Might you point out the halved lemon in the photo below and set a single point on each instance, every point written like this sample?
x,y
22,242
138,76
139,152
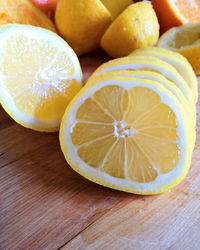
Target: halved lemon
x,y
126,134
39,75
185,40
178,61
150,64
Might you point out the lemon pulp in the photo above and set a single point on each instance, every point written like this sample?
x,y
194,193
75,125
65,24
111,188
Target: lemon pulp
x,y
118,133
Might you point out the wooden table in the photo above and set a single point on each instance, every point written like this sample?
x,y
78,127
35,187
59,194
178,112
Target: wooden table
x,y
44,204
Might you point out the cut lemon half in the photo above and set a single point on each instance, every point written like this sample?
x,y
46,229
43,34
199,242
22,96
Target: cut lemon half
x,y
178,61
185,40
150,64
39,75
136,27
130,135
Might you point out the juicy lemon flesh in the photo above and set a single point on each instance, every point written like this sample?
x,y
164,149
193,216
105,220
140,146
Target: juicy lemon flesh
x,y
38,77
128,134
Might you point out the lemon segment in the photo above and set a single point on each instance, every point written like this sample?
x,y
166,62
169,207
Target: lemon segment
x,y
39,75
143,147
178,61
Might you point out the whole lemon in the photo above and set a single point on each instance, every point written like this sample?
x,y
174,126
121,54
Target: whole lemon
x,y
82,23
136,27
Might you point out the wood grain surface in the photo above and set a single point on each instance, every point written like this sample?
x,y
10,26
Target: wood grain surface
x,y
44,204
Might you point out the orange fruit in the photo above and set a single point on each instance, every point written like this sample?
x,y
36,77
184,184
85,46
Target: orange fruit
x,y
174,13
47,6
23,12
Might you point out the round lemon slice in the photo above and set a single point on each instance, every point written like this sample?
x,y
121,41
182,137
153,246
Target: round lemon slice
x,y
39,75
150,64
178,61
154,76
190,110
130,135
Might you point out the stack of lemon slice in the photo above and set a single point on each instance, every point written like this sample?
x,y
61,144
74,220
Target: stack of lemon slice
x,y
132,126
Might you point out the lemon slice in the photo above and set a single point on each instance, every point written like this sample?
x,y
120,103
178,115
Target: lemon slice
x,y
185,40
178,61
150,64
126,134
154,76
190,110
39,75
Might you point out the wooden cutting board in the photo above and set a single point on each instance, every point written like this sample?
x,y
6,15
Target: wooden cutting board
x,y
44,204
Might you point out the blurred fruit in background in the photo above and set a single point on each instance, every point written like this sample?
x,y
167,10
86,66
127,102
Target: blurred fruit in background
x,y
176,12
136,27
24,12
47,6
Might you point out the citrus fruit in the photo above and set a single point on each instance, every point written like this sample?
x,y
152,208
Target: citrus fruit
x,y
39,75
127,134
149,64
176,12
148,75
23,12
47,6
190,110
82,23
185,40
117,6
177,61
136,27
155,76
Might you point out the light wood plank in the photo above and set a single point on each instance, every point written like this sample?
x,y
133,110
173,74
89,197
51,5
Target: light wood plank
x,y
44,204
